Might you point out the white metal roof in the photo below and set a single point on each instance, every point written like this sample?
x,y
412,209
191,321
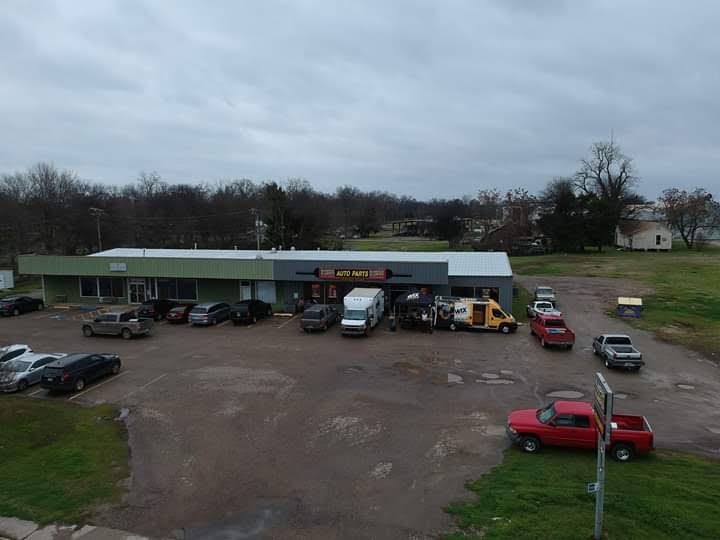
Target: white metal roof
x,y
460,263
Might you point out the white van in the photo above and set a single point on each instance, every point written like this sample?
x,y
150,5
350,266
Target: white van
x,y
363,311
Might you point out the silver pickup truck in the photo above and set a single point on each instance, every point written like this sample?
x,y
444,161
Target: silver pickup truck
x,y
617,350
125,324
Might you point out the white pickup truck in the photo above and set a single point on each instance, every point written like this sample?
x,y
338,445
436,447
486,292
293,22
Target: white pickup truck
x,y
542,306
617,350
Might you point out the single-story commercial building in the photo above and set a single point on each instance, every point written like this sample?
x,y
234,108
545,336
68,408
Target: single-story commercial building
x,y
282,278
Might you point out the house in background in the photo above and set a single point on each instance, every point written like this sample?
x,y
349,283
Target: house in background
x,y
646,231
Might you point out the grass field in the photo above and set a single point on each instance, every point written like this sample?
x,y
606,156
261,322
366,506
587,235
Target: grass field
x,y
662,496
686,305
59,460
520,302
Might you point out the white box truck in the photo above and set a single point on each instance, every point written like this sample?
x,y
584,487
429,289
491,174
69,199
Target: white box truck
x,y
363,310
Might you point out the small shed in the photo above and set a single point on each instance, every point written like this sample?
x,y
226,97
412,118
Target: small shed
x,y
628,306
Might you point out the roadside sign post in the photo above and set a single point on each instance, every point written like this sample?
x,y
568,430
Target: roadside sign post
x,y
603,408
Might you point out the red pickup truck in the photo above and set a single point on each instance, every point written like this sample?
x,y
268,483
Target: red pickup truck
x,y
552,330
571,423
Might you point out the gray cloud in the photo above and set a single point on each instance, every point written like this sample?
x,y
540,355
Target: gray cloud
x,y
422,98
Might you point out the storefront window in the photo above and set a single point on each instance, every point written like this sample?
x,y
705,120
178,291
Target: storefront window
x,y
316,290
187,289
245,290
88,286
167,288
332,291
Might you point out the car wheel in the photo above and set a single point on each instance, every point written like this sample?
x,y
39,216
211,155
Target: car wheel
x,y
126,333
324,327
269,312
595,351
307,330
504,328
116,368
79,385
87,331
542,342
235,323
254,319
622,452
22,385
158,317
452,327
570,346
41,306
214,322
530,444
16,312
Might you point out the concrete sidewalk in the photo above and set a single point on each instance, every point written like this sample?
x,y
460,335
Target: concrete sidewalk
x,y
18,529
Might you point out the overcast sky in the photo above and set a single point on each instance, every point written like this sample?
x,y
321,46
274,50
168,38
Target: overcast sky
x,y
418,98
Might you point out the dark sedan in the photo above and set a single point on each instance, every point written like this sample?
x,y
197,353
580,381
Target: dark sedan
x,y
179,314
15,305
249,311
155,309
74,371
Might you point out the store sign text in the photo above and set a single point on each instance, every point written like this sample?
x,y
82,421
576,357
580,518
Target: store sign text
x,y
362,274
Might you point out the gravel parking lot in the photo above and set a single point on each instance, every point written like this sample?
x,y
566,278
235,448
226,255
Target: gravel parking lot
x,y
267,431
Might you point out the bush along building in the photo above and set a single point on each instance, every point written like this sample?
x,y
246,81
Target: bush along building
x,y
282,278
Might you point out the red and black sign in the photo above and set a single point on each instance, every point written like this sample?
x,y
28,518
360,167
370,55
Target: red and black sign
x,y
354,274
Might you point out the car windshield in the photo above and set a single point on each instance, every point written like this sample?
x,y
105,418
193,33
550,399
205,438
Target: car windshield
x,y
557,323
355,314
546,414
16,366
544,290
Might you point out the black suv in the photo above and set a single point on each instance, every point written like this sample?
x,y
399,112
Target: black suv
x,y
249,311
74,371
155,309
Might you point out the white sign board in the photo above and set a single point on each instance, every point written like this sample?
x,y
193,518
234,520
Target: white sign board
x,y
592,487
118,267
6,279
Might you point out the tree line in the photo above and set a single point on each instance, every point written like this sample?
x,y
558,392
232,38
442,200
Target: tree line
x,y
49,210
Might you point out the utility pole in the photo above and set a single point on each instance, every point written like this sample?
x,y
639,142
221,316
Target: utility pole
x,y
256,214
97,212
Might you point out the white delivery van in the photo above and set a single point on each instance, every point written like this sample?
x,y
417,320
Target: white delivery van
x,y
363,310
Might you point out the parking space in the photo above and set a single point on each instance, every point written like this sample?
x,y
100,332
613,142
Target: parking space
x,y
321,436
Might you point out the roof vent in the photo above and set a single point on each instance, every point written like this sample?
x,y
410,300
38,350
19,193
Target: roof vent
x,y
292,248
274,249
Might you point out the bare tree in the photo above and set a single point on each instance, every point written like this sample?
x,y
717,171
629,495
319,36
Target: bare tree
x,y
606,180
691,214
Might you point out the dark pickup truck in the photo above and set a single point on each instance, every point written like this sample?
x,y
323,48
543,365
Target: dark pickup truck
x,y
124,324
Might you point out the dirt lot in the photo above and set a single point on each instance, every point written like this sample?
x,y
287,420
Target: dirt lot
x,y
264,431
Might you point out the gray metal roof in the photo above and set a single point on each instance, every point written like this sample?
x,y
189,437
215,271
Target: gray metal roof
x,y
460,263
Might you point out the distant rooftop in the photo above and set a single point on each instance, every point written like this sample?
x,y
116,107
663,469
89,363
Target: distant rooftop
x,y
460,263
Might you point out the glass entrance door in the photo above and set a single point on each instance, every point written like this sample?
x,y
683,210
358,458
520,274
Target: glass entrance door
x,y
137,292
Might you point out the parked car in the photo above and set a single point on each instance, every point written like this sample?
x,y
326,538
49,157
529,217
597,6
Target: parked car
x,y
179,314
15,305
542,306
249,311
552,330
155,309
545,293
209,313
125,324
74,371
318,317
10,352
617,350
18,374
572,423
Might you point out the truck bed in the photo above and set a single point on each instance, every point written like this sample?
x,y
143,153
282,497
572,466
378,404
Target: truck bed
x,y
631,422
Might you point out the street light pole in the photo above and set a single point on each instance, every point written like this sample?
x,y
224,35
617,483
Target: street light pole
x,y
256,214
97,212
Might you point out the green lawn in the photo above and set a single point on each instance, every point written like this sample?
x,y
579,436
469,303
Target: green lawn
x,y
686,305
663,496
520,303
396,244
59,460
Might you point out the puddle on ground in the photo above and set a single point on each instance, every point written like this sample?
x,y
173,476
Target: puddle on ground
x,y
565,394
685,386
455,379
489,376
620,395
353,369
715,430
506,372
495,381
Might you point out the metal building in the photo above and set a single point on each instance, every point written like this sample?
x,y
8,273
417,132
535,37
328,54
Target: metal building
x,y
283,278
